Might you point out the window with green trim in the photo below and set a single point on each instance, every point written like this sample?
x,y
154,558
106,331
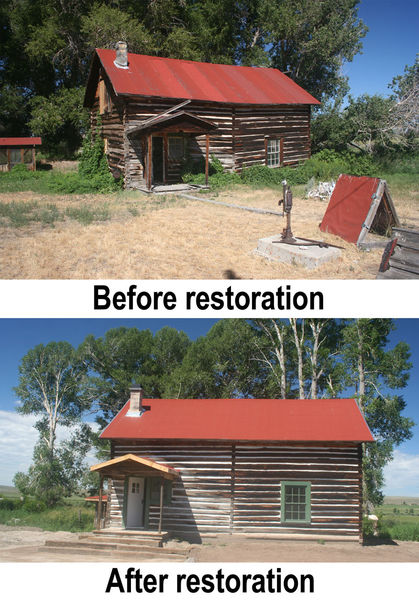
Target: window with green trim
x,y
155,491
295,501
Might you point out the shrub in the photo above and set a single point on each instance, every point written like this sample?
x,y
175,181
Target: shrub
x,y
367,527
10,503
32,505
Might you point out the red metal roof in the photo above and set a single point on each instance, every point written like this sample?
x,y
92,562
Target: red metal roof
x,y
154,76
20,141
243,419
96,498
349,206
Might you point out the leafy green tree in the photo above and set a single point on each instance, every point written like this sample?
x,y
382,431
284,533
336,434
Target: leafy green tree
x,y
105,25
55,475
368,122
125,356
60,119
220,364
377,373
309,41
50,380
317,357
405,112
114,362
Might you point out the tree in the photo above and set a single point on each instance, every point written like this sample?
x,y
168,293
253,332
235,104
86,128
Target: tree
x,y
309,40
301,356
46,48
50,379
376,372
406,109
125,356
326,357
53,476
220,364
49,386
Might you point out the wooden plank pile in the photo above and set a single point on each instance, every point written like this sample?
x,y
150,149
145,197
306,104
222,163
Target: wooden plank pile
x,y
401,256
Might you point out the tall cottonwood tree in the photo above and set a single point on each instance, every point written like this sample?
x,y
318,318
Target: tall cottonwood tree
x,y
50,383
377,372
351,358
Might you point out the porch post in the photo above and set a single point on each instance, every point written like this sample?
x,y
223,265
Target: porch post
x,y
149,161
206,158
100,501
161,503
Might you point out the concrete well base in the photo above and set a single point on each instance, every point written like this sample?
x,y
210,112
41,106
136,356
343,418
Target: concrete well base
x,y
309,257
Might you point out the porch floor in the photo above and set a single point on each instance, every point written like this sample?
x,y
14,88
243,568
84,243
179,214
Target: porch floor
x,y
173,188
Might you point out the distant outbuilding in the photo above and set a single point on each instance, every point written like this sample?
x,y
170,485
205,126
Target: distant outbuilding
x,y
17,151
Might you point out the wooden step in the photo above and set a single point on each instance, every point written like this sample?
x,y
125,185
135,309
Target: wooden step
x,y
150,537
113,554
115,546
123,540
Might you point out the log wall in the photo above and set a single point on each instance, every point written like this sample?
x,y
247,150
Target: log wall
x,y
253,123
238,142
236,487
113,127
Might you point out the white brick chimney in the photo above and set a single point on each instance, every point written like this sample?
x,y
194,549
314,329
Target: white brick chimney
x,y
136,394
121,60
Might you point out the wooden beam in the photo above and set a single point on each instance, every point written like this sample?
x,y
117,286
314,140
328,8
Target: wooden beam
x,y
149,161
33,159
161,504
100,501
165,156
206,158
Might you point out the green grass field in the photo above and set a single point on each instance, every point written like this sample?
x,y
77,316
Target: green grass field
x,y
399,520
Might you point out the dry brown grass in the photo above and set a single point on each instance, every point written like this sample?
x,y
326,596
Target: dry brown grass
x,y
175,239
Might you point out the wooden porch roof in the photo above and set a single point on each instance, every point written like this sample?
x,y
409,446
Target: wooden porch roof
x,y
180,120
130,464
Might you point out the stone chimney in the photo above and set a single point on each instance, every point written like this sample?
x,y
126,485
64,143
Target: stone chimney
x,y
135,408
121,60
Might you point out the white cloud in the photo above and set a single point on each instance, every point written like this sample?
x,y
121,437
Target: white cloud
x,y
402,475
17,440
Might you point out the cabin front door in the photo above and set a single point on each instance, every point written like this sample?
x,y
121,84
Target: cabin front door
x,y
158,173
135,503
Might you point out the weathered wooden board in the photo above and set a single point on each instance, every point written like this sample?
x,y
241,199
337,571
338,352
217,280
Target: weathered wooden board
x,y
403,262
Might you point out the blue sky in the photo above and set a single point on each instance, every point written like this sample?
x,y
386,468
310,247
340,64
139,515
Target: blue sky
x,y
17,435
390,44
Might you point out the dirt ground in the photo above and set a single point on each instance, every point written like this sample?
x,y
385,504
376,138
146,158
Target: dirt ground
x,y
175,238
20,544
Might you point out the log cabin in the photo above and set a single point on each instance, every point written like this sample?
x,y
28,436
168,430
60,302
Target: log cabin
x,y
254,467
159,115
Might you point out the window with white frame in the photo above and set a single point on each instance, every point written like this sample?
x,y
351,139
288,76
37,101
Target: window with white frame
x,y
176,147
273,152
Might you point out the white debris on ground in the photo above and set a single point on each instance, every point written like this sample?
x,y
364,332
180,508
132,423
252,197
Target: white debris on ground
x,y
321,189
